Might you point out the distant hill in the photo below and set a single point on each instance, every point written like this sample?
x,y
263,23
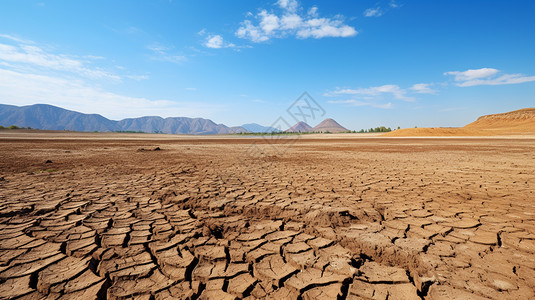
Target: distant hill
x,y
520,121
237,129
329,125
49,117
300,127
174,125
253,127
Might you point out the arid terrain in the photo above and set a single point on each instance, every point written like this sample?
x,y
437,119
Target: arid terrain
x,y
517,122
116,216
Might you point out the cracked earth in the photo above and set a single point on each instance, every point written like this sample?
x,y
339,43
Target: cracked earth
x,y
365,218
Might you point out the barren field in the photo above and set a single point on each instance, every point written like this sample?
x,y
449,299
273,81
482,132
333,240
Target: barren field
x,y
103,216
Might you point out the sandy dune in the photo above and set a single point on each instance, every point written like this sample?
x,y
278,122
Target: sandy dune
x,y
518,122
229,218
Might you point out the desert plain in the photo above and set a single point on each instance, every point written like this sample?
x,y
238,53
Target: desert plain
x,y
144,216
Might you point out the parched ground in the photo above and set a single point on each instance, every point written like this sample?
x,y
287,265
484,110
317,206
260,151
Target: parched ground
x,y
519,122
228,218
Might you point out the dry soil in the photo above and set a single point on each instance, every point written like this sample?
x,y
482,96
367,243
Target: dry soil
x,y
160,217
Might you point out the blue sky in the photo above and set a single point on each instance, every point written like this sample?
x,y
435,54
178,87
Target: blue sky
x,y
366,63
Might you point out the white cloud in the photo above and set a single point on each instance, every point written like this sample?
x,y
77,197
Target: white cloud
x,y
383,106
251,32
215,41
157,48
290,21
357,103
379,96
380,10
269,22
94,57
313,11
163,53
15,39
472,74
138,77
320,28
289,5
29,74
422,88
487,76
28,55
24,89
392,89
373,12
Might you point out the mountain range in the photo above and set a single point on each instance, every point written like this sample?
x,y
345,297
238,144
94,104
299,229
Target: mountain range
x,y
49,117
253,127
327,125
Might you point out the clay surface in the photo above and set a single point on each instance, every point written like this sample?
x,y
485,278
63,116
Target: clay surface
x,y
250,218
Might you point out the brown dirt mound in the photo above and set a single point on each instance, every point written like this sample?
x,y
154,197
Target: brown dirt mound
x,y
439,131
520,121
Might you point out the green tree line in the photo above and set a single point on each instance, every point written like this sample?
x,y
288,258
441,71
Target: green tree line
x,y
376,129
14,127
